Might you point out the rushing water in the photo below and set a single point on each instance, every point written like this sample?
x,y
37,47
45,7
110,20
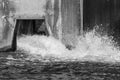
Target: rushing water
x,y
91,47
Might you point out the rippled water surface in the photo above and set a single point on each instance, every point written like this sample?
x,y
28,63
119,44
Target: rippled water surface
x,y
16,66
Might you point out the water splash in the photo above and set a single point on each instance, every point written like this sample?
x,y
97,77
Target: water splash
x,y
42,46
91,47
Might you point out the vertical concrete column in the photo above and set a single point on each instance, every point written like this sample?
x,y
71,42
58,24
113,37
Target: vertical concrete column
x,y
70,21
8,24
49,16
81,17
59,22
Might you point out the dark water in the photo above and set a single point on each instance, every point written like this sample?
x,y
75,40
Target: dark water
x,y
21,69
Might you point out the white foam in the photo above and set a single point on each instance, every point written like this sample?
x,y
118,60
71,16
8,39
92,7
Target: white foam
x,y
42,45
91,47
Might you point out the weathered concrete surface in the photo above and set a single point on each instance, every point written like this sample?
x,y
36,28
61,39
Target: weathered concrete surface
x,y
1,24
26,9
5,26
70,21
62,18
11,10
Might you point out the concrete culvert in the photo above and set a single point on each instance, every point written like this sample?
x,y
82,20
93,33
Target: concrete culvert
x,y
28,27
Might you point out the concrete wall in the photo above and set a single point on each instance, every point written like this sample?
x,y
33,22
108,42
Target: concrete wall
x,y
11,10
26,9
1,21
70,21
62,18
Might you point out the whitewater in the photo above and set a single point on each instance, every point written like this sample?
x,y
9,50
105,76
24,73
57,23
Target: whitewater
x,y
92,46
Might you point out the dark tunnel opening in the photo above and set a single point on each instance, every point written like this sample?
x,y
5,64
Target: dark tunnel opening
x,y
31,27
28,27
